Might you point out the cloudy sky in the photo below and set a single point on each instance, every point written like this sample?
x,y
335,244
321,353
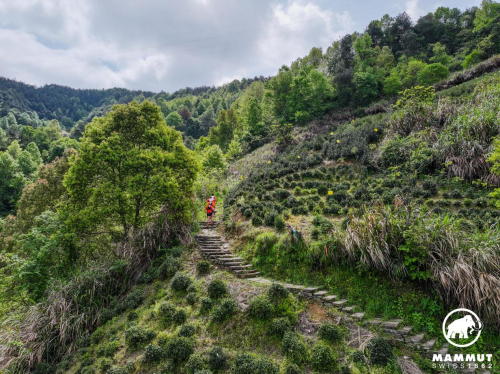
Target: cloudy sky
x,y
166,45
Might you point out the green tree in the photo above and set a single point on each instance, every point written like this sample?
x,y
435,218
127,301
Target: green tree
x,y
432,73
174,120
495,168
366,87
14,149
130,163
283,133
392,84
213,158
486,15
58,147
439,54
222,134
11,182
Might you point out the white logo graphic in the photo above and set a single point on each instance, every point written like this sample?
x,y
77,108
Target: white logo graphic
x,y
462,328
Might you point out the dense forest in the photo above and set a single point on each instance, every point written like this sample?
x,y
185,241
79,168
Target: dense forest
x,y
382,152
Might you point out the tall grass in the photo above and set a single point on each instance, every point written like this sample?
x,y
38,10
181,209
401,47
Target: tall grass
x,y
51,329
406,242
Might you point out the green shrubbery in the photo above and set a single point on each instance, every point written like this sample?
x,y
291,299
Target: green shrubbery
x,y
380,351
330,332
277,292
180,282
322,357
203,267
179,349
136,337
153,353
260,308
279,326
224,310
252,364
217,289
217,358
294,348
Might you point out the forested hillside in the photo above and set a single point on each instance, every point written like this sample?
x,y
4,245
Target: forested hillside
x,y
371,169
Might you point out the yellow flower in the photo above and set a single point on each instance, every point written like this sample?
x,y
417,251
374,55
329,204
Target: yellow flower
x,y
331,133
330,192
241,177
268,162
376,130
338,141
298,156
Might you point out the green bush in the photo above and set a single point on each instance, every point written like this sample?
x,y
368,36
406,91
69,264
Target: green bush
x,y
256,220
293,369
179,316
277,292
132,316
358,357
203,267
344,369
153,353
44,368
224,310
279,326
109,349
179,349
97,335
191,299
217,358
279,223
269,219
136,337
195,364
206,305
217,289
294,348
380,351
180,282
322,357
245,363
168,268
104,364
260,308
187,331
330,332
166,313
134,298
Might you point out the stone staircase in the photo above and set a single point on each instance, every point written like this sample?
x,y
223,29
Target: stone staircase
x,y
213,249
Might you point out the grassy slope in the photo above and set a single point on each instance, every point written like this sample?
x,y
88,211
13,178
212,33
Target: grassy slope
x,y
370,291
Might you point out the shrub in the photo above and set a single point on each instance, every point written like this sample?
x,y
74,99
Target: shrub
x,y
358,357
136,337
195,364
322,357
256,220
44,368
179,316
186,331
206,305
269,219
153,353
293,348
279,223
203,267
179,349
217,358
191,298
166,313
330,332
380,351
168,268
97,335
109,349
260,308
224,310
344,369
279,326
251,364
180,282
134,298
292,369
132,316
104,364
277,292
217,289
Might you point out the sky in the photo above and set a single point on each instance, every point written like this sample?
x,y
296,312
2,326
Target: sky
x,y
165,45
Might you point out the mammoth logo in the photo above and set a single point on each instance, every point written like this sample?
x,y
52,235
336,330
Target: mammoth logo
x,y
463,328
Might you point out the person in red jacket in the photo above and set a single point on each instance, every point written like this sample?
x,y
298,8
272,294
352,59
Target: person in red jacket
x,y
210,209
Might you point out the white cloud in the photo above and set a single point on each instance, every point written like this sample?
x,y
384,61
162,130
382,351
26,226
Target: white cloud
x,y
299,27
413,9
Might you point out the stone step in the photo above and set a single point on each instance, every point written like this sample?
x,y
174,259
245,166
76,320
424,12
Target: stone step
x,y
320,294
245,271
239,267
310,290
329,298
294,288
236,263
416,339
392,324
349,309
339,303
428,345
442,351
220,250
249,275
229,259
375,321
358,316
